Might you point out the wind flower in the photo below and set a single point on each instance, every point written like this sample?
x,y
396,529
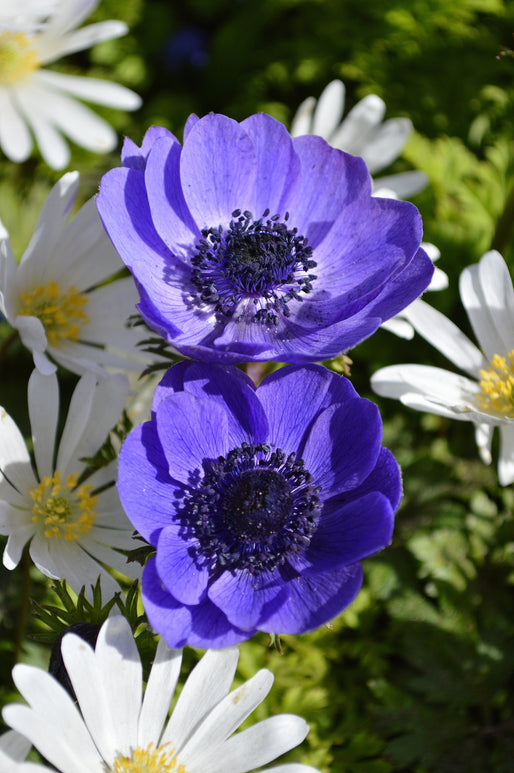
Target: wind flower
x,y
57,298
260,502
486,395
71,524
40,102
361,133
115,728
246,244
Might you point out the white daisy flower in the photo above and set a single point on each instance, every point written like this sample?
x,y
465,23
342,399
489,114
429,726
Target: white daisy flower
x,y
115,729
361,133
70,524
13,748
486,395
400,325
57,299
39,102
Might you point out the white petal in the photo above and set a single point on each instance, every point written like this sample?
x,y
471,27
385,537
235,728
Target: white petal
x,y
224,719
329,110
487,294
15,544
353,133
430,389
75,120
301,123
506,459
483,438
386,143
119,667
15,139
13,746
445,336
52,145
43,398
109,398
400,327
52,48
14,457
257,745
32,333
404,184
69,15
439,280
207,684
93,90
158,694
52,723
43,364
8,270
50,224
76,422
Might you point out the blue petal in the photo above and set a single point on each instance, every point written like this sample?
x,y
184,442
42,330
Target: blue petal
x,y
191,431
145,488
246,598
314,600
178,566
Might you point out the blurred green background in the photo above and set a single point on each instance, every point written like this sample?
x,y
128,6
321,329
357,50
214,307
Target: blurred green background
x,y
418,674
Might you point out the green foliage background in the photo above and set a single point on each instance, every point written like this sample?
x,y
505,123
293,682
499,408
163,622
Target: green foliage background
x,y
417,675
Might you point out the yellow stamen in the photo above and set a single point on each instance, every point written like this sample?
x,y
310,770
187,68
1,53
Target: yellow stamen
x,y
497,386
18,57
60,311
67,513
160,760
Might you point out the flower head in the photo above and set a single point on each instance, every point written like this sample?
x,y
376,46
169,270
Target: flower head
x,y
361,133
117,729
260,502
248,245
39,102
486,395
57,298
71,524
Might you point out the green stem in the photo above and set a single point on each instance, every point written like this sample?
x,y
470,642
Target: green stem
x,y
24,608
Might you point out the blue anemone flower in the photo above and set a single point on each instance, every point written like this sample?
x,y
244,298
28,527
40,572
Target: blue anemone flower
x,y
247,244
260,502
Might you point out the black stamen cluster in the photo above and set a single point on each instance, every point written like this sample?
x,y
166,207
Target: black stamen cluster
x,y
253,508
261,261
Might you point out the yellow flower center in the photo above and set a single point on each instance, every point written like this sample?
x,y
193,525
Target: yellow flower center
x,y
60,311
497,386
63,510
160,760
18,57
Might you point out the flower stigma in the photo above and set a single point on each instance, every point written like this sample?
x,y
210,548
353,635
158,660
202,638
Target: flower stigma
x,y
160,760
18,57
253,269
497,386
253,509
63,510
60,312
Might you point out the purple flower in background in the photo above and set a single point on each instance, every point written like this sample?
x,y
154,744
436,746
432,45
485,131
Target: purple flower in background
x,y
260,502
246,244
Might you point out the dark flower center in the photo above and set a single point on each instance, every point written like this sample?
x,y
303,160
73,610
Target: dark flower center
x,y
258,503
252,509
253,269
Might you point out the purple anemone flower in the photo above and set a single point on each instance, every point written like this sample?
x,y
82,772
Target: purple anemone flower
x,y
260,502
246,244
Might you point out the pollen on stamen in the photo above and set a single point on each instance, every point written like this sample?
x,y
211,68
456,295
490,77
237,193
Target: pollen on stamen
x,y
18,58
65,511
61,312
149,760
497,386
